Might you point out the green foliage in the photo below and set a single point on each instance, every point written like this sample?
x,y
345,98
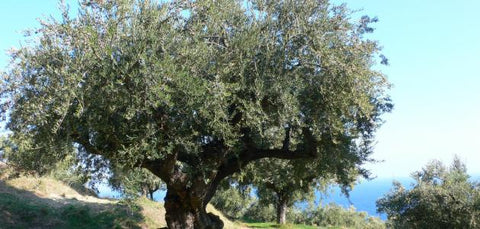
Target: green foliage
x,y
440,198
329,216
71,172
196,90
233,200
24,160
135,182
333,215
74,168
294,180
121,71
282,183
20,213
260,213
284,226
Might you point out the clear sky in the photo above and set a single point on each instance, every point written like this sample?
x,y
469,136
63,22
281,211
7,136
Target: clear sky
x,y
434,53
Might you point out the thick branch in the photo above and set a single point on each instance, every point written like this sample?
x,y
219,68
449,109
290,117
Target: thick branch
x,y
165,169
251,153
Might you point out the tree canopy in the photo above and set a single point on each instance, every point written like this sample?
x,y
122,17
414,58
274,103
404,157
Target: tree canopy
x,y
195,90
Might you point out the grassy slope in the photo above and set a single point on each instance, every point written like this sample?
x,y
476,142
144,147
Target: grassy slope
x,y
29,202
32,202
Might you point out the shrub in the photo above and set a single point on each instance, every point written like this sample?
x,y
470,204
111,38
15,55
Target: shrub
x,y
440,198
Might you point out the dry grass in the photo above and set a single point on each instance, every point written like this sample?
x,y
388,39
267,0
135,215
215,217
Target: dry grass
x,y
50,188
153,212
54,194
227,223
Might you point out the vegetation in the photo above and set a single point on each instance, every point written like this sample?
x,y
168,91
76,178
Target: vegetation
x,y
132,182
24,214
330,216
269,176
233,199
194,91
27,202
440,198
333,215
282,226
45,202
258,213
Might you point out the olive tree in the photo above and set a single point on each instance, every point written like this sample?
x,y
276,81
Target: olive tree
x,y
194,91
441,197
285,182
233,199
133,182
280,183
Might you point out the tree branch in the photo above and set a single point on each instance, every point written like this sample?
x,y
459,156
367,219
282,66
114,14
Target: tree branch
x,y
251,153
166,169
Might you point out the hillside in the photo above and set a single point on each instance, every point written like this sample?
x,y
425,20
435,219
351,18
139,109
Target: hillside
x,y
43,202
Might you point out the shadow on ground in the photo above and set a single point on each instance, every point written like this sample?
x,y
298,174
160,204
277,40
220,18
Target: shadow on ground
x,y
24,209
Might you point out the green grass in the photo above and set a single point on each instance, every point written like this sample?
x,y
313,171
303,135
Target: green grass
x,y
17,212
31,202
286,226
44,202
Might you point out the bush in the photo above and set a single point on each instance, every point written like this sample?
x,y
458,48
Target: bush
x,y
441,198
260,213
233,201
337,216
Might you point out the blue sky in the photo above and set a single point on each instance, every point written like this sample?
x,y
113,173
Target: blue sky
x,y
433,48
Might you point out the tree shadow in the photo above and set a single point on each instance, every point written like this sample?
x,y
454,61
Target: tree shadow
x,y
24,209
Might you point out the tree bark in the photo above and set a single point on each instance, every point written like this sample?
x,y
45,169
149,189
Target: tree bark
x,y
281,211
151,194
184,211
188,194
145,192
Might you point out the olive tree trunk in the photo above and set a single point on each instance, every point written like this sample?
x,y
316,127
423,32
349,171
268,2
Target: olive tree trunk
x,y
185,211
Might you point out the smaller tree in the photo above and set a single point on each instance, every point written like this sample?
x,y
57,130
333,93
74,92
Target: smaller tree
x,y
75,168
441,197
278,182
284,183
233,199
133,182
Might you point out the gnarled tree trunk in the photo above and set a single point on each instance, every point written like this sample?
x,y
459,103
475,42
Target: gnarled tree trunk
x,y
188,194
183,211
